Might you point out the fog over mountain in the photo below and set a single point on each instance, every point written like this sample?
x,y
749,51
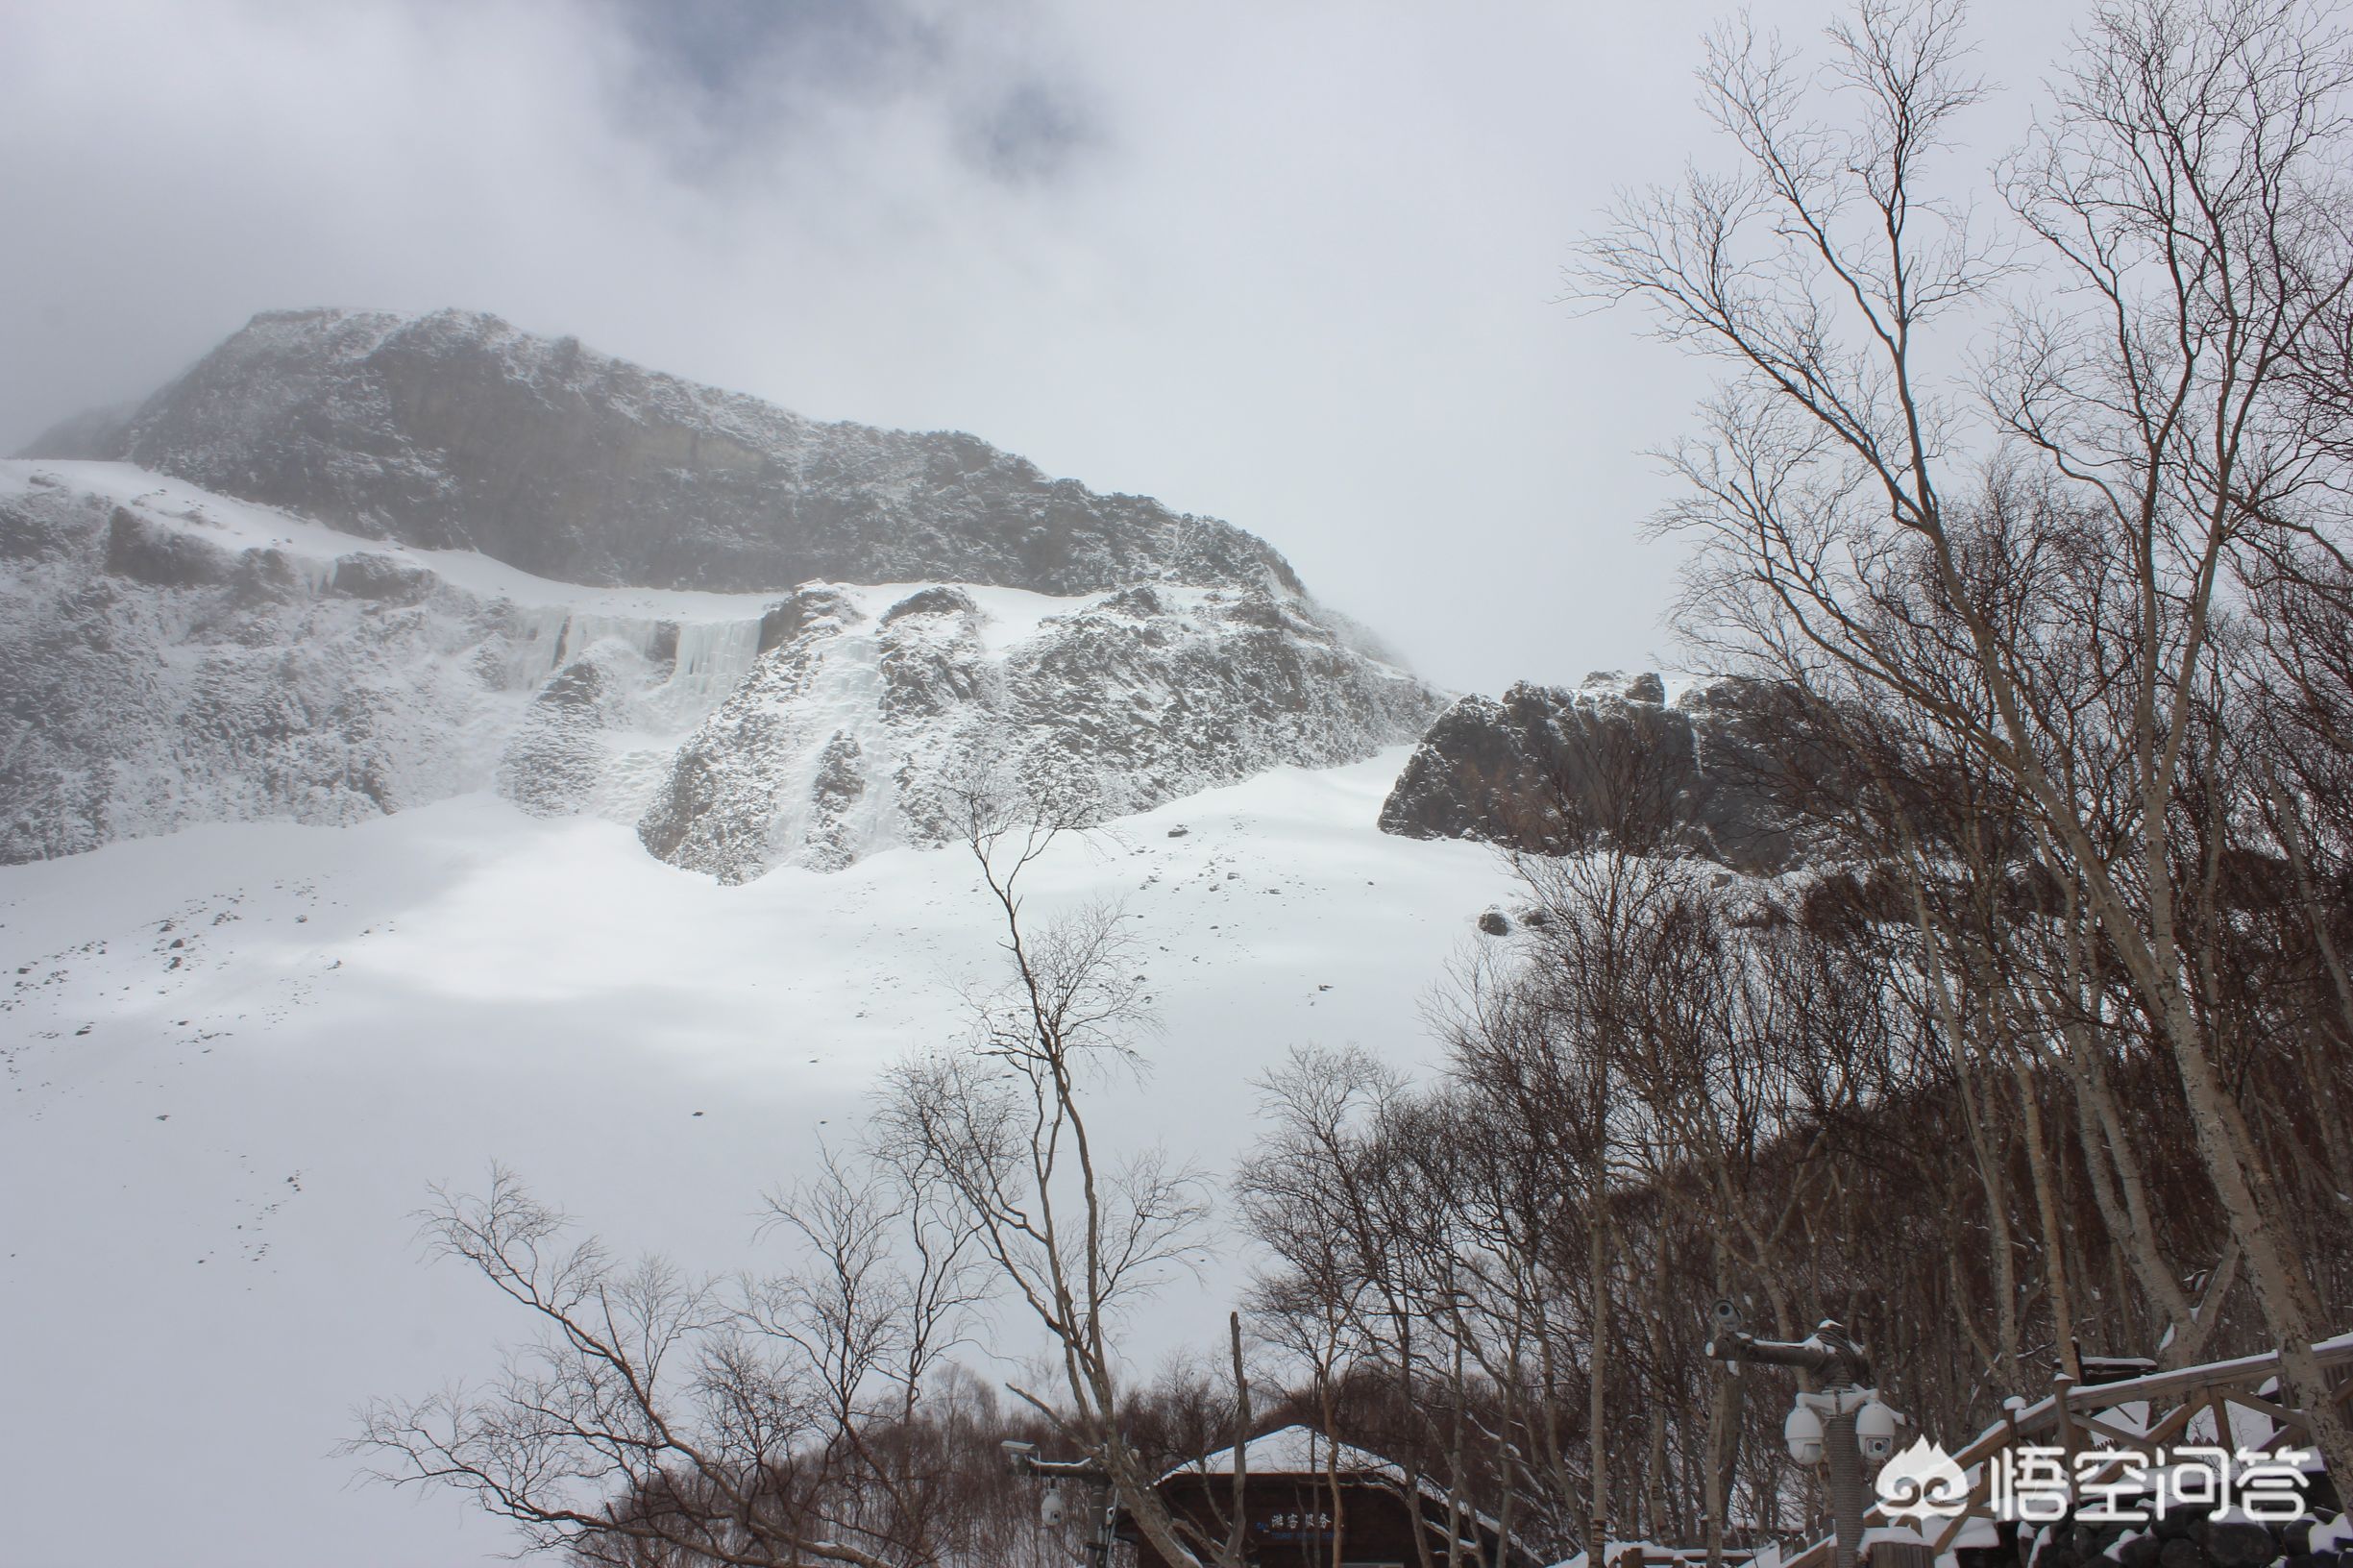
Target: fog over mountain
x,y
1297,266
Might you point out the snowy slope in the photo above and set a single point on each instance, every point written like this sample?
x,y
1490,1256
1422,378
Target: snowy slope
x,y
233,1059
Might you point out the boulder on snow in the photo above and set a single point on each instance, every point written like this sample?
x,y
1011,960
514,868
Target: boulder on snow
x,y
2183,1553
2239,1543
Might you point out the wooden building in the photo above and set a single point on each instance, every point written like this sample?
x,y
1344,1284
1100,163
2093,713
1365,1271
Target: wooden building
x,y
1311,1501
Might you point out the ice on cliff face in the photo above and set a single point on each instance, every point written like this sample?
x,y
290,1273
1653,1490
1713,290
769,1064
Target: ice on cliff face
x,y
177,657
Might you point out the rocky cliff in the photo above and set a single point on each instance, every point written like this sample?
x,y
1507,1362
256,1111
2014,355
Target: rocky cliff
x,y
456,432
861,725
1548,770
351,562
169,656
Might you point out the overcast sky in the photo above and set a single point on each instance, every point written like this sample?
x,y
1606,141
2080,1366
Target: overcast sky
x,y
1296,265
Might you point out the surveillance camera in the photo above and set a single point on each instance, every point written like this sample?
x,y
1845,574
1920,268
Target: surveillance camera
x,y
1874,1431
1802,1431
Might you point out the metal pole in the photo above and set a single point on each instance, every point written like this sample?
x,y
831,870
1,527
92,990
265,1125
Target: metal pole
x,y
1834,1361
1847,1501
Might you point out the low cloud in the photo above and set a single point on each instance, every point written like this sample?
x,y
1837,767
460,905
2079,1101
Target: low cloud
x,y
1294,265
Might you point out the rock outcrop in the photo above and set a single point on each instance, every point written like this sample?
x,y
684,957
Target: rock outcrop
x,y
155,680
1548,770
861,728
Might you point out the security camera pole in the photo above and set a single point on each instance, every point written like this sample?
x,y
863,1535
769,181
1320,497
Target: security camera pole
x,y
1023,1459
1843,1423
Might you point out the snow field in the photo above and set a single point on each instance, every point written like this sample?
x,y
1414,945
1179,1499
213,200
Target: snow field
x,y
233,1059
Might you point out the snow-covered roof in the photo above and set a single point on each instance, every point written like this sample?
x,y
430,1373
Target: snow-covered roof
x,y
1294,1451
1303,1451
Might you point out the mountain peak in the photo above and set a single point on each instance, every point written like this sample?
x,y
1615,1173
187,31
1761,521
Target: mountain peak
x,y
454,429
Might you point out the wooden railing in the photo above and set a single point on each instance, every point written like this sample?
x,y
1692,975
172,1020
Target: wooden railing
x,y
2076,1418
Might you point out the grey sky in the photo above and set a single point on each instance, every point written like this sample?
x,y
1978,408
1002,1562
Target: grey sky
x,y
1293,264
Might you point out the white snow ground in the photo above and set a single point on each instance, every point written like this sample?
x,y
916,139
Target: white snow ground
x,y
233,1059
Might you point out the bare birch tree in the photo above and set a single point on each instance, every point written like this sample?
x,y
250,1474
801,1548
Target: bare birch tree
x,y
2183,211
1075,1229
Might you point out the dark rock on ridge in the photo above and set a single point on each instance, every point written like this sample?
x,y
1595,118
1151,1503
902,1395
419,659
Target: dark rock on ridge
x,y
454,430
1546,768
364,574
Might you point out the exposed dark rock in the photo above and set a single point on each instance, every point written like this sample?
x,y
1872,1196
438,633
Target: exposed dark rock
x,y
456,431
1646,687
555,760
1547,770
139,550
942,600
931,658
2239,1543
831,839
268,576
365,575
2183,1553
33,533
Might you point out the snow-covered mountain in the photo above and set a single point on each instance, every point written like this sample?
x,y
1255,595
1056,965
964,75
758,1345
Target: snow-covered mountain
x,y
454,430
397,719
442,557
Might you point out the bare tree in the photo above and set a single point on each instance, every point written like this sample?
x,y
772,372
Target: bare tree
x,y
1075,1231
2186,205
661,1419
